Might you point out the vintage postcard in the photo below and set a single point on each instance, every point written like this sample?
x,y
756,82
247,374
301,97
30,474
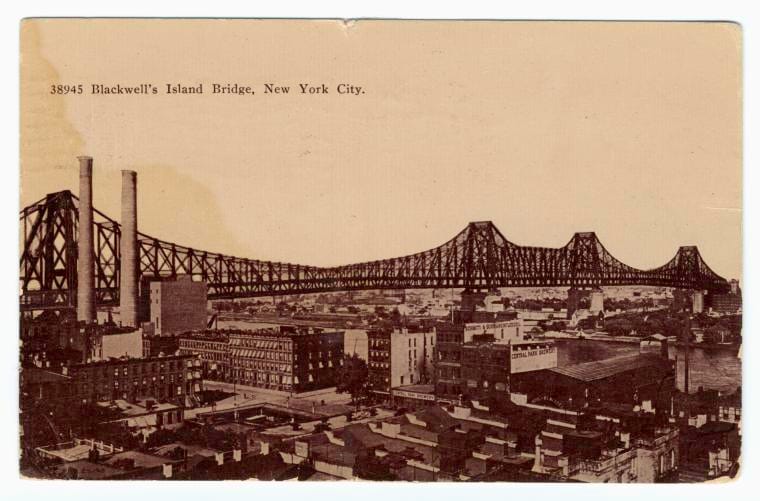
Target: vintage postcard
x,y
395,250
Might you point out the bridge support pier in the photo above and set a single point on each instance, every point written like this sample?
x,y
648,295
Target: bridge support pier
x,y
580,297
472,299
596,303
698,301
85,247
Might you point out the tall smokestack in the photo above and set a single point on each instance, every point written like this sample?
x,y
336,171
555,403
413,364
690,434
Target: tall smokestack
x,y
128,290
86,252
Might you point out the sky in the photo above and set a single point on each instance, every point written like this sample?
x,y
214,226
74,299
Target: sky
x,y
631,130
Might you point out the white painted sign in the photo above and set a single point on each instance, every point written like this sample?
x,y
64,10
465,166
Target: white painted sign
x,y
417,396
524,360
504,331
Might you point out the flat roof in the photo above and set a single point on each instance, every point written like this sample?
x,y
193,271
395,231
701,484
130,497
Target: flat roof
x,y
130,360
601,369
33,375
417,388
137,408
533,341
87,470
142,460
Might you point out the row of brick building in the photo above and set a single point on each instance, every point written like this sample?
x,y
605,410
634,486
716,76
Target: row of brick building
x,y
284,358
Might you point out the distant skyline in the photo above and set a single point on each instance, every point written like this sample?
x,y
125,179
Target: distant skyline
x,y
631,130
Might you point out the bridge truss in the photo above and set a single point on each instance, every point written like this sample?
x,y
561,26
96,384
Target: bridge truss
x,y
479,257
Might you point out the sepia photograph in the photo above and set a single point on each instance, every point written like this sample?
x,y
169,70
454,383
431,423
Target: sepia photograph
x,y
380,250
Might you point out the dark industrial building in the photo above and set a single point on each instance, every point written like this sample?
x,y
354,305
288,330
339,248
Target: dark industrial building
x,y
450,338
629,379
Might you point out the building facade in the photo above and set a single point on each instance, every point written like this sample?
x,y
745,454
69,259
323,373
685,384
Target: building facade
x,y
379,361
171,378
399,357
116,342
47,334
449,383
726,304
212,348
412,352
177,306
286,359
485,368
154,346
488,366
450,338
505,331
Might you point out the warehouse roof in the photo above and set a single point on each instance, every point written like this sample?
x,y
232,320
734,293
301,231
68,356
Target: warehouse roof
x,y
601,369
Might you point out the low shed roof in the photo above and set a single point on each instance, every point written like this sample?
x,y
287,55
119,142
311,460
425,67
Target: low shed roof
x,y
602,369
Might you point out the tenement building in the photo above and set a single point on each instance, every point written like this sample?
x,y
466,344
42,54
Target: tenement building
x,y
379,361
286,358
213,349
171,378
399,357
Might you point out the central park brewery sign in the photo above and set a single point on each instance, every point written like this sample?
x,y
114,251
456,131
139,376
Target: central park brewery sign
x,y
533,356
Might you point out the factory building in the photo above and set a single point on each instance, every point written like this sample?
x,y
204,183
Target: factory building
x,y
640,379
177,306
451,336
488,366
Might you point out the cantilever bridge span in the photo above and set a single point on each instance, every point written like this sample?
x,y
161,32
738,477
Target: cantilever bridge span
x,y
478,257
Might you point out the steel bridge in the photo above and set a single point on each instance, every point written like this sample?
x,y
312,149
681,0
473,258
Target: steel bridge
x,y
478,258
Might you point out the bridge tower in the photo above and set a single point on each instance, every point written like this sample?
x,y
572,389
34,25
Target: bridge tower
x,y
471,300
576,296
585,261
697,301
596,300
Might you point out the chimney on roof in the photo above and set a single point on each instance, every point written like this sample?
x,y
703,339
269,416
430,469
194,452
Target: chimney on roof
x,y
85,248
129,257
